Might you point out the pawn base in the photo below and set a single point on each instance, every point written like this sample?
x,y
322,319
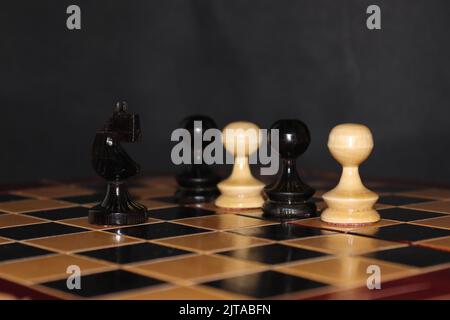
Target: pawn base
x,y
240,194
344,217
232,202
191,196
283,211
101,216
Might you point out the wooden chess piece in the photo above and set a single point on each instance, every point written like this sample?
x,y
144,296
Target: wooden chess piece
x,y
197,183
113,163
350,202
288,197
241,190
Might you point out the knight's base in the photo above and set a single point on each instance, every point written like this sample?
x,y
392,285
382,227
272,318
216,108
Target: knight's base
x,y
102,216
284,211
117,208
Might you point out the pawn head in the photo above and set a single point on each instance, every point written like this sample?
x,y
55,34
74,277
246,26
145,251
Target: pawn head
x,y
350,143
121,106
294,138
197,124
241,138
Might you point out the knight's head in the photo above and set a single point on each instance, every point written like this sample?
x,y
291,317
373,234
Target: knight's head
x,y
123,125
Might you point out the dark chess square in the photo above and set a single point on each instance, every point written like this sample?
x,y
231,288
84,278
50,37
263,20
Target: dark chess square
x,y
38,230
105,283
403,232
158,230
90,198
134,253
11,251
179,213
273,254
283,231
265,284
11,197
400,200
414,256
61,214
402,214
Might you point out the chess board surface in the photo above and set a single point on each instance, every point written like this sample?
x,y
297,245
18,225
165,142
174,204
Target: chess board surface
x,y
203,252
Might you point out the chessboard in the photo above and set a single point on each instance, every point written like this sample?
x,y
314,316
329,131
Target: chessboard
x,y
203,252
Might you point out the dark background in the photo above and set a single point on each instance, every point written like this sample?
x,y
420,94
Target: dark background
x,y
256,60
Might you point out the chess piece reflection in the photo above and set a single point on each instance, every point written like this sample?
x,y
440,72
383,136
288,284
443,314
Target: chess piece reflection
x,y
197,183
241,190
350,202
112,162
288,197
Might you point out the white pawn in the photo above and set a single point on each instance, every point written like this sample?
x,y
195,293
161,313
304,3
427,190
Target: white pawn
x,y
350,202
241,190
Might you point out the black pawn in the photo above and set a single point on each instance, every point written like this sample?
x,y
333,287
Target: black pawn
x,y
112,163
288,197
197,183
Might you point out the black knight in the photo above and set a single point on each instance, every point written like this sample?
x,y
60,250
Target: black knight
x,y
112,163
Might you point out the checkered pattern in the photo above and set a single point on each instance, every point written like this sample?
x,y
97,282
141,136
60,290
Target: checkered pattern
x,y
203,252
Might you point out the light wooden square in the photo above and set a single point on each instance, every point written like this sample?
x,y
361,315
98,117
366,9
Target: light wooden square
x,y
214,241
82,241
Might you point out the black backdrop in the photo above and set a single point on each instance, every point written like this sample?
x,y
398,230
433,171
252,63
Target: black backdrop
x,y
257,60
